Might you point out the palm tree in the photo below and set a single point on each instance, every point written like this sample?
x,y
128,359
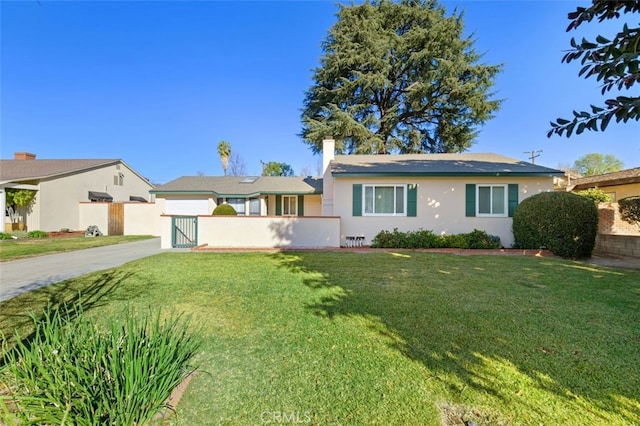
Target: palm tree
x,y
224,150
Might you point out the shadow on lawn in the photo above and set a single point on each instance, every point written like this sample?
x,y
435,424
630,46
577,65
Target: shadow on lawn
x,y
476,334
91,291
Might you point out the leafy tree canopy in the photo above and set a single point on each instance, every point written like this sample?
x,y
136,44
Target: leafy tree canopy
x,y
398,77
612,61
597,164
20,197
273,168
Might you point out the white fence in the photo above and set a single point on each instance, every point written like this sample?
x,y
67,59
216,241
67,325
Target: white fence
x,y
260,232
139,218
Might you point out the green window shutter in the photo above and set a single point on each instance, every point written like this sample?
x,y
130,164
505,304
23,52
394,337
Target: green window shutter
x,y
278,205
513,198
300,205
357,199
412,200
470,200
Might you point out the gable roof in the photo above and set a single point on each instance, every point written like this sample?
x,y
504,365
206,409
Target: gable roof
x,y
608,179
436,165
28,170
12,170
241,186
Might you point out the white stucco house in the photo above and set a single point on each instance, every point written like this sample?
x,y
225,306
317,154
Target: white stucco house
x,y
357,197
61,184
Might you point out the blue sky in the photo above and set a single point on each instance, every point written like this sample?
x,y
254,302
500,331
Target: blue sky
x,y
159,84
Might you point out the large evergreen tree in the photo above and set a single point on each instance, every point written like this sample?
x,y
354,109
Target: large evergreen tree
x,y
398,78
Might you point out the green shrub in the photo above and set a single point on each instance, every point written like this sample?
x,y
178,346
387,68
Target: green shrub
x,y
595,194
5,236
629,209
427,239
37,234
72,372
224,210
481,240
562,222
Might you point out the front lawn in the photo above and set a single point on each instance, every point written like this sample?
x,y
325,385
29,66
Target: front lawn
x,y
386,338
29,247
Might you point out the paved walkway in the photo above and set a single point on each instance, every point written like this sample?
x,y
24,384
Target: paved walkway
x,y
19,276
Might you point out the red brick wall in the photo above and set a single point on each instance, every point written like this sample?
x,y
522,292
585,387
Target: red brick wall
x,y
610,223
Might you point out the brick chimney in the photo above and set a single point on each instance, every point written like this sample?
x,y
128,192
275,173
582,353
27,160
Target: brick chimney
x,y
23,156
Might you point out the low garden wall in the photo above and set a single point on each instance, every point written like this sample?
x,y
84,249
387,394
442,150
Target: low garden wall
x,y
615,236
621,245
610,222
260,232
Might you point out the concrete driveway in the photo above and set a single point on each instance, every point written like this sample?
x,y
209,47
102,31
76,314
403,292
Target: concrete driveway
x,y
19,276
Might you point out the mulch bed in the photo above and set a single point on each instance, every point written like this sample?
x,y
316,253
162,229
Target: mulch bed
x,y
367,249
60,234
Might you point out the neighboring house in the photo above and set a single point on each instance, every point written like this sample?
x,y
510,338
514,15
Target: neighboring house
x,y
61,185
444,193
358,196
249,195
622,184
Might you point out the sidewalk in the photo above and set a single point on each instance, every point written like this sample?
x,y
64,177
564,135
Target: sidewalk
x,y
19,276
610,260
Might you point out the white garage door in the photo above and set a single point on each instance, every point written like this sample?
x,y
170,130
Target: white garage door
x,y
187,207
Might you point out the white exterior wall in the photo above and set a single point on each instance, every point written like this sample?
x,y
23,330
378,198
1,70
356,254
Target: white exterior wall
x,y
264,231
93,214
162,202
440,207
57,199
313,205
141,219
165,232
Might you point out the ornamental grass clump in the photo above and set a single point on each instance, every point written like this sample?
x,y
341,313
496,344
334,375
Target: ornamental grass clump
x,y
72,372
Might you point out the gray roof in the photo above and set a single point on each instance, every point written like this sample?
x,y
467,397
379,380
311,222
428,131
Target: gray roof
x,y
13,170
608,179
228,186
435,165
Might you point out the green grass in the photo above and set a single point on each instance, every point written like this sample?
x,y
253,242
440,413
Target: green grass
x,y
386,338
29,247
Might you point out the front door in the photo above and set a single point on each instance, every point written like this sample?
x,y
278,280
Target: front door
x,y
184,231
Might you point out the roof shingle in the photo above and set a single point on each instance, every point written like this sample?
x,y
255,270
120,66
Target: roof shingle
x,y
233,185
435,164
12,170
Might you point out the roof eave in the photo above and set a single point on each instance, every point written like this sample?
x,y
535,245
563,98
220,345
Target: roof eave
x,y
447,174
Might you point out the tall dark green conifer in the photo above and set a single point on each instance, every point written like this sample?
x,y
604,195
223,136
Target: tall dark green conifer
x,y
398,78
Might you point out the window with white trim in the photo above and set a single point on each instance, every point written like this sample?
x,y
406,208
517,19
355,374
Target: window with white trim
x,y
254,206
289,205
385,200
491,200
237,204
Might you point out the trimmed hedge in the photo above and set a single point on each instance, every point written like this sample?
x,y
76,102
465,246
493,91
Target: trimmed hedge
x,y
428,239
224,210
562,222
